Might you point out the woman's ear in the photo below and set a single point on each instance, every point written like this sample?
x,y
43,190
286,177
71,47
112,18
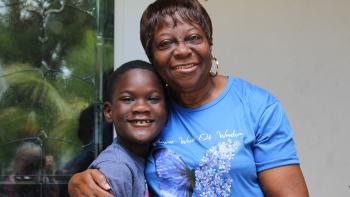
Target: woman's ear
x,y
107,112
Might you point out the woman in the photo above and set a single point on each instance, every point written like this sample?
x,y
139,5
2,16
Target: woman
x,y
224,136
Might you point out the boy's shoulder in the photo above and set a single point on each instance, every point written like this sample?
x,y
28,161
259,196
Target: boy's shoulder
x,y
116,155
123,171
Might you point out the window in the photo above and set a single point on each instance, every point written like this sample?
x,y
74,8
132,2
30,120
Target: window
x,y
54,59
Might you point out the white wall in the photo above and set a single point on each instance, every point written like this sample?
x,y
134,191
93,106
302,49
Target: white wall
x,y
297,49
126,30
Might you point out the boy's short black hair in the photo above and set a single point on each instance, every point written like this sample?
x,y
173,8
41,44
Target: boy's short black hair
x,y
114,78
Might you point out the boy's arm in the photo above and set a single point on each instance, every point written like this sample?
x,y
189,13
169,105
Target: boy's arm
x,y
108,178
119,177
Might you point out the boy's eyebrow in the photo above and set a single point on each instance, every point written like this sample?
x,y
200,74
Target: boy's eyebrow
x,y
158,90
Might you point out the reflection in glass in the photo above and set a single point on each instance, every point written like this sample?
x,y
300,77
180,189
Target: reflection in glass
x,y
51,80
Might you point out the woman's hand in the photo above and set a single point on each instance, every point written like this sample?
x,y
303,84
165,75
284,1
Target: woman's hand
x,y
285,181
90,182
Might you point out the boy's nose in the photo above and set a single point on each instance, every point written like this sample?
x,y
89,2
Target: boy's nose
x,y
140,107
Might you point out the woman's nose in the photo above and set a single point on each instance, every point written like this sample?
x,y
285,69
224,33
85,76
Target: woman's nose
x,y
182,49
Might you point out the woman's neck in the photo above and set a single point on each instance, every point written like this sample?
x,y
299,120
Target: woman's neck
x,y
201,96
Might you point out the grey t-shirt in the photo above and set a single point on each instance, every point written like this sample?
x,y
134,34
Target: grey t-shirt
x,y
123,170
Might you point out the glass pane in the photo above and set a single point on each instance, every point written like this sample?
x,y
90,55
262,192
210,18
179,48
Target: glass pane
x,y
54,59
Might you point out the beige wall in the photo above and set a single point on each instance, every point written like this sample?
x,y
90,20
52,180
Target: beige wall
x,y
297,49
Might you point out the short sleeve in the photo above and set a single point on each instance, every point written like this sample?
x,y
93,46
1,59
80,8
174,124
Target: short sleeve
x,y
119,176
274,145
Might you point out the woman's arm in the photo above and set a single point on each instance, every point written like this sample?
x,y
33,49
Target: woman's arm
x,y
284,181
90,182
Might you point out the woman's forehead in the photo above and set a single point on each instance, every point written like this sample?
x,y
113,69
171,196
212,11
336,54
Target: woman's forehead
x,y
172,22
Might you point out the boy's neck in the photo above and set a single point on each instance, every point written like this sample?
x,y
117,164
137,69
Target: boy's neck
x,y
140,150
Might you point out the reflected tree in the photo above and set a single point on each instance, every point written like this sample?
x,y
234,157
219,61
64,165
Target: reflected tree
x,y
47,73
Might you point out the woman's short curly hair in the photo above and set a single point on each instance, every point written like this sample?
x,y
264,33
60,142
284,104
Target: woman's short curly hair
x,y
190,11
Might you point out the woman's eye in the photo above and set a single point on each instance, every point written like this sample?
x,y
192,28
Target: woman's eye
x,y
194,39
165,44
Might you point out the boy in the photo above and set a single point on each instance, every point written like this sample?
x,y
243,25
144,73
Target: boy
x,y
136,106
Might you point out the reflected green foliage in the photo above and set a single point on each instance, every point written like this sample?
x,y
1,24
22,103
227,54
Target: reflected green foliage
x,y
80,61
31,105
47,74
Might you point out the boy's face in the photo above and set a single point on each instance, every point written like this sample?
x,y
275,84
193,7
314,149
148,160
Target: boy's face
x,y
138,108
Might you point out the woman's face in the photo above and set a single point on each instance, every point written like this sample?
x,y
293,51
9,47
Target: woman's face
x,y
182,55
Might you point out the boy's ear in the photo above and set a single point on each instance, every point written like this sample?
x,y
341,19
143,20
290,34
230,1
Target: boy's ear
x,y
107,112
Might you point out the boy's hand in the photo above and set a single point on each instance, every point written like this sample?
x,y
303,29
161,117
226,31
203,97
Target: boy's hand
x,y
90,182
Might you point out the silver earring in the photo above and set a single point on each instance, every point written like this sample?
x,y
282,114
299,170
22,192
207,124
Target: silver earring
x,y
213,74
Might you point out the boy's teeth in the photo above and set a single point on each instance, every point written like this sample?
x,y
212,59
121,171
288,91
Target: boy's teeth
x,y
142,121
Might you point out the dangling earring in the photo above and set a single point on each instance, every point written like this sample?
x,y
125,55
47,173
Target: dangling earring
x,y
213,74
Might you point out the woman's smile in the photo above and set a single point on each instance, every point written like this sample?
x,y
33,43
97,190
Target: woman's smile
x,y
185,68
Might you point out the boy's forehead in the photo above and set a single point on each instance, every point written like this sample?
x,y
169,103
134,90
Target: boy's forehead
x,y
131,74
136,75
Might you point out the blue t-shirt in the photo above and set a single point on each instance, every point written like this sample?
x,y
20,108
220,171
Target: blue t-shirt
x,y
217,149
123,169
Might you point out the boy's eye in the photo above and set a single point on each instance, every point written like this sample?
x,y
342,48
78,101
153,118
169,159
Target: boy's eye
x,y
165,44
155,99
126,99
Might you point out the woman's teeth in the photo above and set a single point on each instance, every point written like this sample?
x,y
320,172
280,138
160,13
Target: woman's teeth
x,y
184,66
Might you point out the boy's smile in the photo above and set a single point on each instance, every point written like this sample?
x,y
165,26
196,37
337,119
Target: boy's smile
x,y
141,122
138,107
